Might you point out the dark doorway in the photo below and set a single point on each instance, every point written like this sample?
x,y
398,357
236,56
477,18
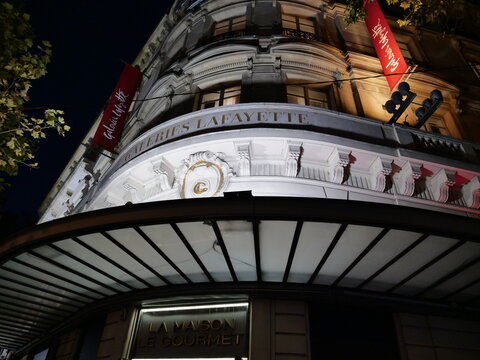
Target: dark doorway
x,y
339,332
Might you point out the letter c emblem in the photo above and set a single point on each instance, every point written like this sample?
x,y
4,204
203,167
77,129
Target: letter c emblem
x,y
200,188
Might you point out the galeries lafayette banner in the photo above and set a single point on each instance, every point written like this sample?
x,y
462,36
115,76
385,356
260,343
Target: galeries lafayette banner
x,y
111,126
385,44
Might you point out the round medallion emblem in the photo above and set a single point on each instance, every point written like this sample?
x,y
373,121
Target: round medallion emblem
x,y
203,175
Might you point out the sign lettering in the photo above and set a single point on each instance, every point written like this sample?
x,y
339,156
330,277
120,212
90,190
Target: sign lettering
x,y
385,44
111,126
192,333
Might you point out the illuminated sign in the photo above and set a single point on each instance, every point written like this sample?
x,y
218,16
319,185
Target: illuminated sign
x,y
217,331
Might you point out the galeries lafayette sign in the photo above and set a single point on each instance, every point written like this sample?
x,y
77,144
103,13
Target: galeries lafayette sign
x,y
111,126
208,120
388,52
238,116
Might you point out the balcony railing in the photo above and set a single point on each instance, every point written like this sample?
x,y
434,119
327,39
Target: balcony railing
x,y
298,34
239,33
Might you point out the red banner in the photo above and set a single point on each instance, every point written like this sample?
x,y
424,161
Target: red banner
x,y
385,44
111,126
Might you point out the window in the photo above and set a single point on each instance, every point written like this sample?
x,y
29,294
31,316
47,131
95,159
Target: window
x,y
42,355
404,49
307,96
226,96
298,26
436,125
230,25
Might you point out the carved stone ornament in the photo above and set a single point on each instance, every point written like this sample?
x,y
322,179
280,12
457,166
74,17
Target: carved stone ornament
x,y
406,177
379,170
203,174
472,193
440,183
292,162
338,161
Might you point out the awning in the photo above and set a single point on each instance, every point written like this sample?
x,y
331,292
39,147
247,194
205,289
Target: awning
x,y
57,271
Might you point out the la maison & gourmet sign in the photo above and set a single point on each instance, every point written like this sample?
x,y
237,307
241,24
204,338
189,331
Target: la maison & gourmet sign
x,y
192,333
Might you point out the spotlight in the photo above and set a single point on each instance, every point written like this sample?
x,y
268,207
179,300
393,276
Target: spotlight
x,y
429,106
399,101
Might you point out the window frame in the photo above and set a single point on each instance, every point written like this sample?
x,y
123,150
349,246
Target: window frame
x,y
229,27
297,30
436,119
307,97
221,91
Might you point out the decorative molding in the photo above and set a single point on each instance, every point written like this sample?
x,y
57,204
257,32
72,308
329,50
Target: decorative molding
x,y
471,192
299,64
405,179
112,199
440,183
379,170
222,68
243,151
164,173
278,63
338,161
203,174
292,162
134,189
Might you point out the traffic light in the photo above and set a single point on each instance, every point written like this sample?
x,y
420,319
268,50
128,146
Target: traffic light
x,y
429,106
399,101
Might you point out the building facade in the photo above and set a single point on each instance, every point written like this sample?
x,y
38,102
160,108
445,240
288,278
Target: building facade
x,y
259,203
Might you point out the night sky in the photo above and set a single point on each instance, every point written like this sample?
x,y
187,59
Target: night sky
x,y
90,40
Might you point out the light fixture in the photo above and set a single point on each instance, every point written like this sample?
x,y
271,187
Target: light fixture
x,y
194,307
429,106
399,101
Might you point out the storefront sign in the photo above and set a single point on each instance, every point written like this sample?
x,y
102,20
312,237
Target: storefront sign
x,y
240,116
193,333
385,44
213,120
111,126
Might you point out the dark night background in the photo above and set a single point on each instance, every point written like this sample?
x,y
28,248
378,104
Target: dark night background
x,y
90,40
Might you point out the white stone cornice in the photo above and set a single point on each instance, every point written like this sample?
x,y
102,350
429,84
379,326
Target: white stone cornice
x,y
337,163
471,193
278,151
405,178
379,170
440,183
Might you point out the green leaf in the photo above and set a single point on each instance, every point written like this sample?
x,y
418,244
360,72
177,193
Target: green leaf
x,y
11,143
